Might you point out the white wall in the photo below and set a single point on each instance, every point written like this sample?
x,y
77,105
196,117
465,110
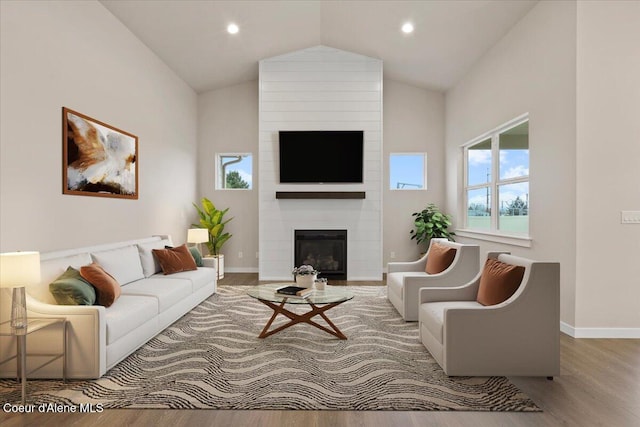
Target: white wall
x,y
320,89
78,55
228,123
413,122
532,69
608,166
574,67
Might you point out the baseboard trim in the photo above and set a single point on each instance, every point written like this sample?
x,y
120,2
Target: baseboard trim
x,y
240,269
621,333
366,279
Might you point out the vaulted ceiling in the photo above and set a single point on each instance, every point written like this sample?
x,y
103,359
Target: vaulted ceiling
x,y
191,37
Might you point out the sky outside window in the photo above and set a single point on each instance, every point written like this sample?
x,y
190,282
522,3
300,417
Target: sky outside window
x,y
407,171
513,163
479,163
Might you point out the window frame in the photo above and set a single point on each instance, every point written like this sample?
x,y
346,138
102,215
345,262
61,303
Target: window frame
x,y
423,154
493,234
218,170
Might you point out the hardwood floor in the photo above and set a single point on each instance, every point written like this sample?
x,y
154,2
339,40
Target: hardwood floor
x,y
599,385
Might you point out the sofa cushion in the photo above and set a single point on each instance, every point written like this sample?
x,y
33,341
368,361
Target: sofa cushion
x,y
431,315
198,278
439,259
174,260
498,282
71,289
107,288
129,313
51,269
150,264
167,291
122,263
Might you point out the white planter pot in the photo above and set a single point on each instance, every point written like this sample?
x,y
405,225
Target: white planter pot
x,y
306,281
218,264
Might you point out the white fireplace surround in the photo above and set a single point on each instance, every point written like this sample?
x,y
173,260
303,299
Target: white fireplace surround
x,y
320,88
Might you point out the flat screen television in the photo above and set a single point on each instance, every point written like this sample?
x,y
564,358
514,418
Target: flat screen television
x,y
320,157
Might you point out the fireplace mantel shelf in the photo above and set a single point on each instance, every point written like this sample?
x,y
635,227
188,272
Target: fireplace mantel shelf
x,y
320,194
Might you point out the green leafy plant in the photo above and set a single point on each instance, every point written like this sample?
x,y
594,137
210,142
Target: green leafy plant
x,y
211,218
430,223
234,180
305,270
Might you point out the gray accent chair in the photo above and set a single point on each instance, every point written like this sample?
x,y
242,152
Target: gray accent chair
x,y
404,279
518,337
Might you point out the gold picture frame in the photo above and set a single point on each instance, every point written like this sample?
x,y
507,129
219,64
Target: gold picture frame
x,y
97,159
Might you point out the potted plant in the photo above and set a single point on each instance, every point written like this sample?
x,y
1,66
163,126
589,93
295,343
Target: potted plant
x,y
212,219
430,223
305,276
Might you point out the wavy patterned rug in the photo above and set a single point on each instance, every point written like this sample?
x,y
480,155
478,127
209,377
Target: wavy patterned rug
x,y
212,358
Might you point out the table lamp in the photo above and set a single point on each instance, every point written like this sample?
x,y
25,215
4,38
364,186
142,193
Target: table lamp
x,y
197,236
17,270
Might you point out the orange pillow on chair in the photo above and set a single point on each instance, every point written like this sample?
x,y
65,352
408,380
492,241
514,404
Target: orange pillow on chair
x,y
439,259
498,282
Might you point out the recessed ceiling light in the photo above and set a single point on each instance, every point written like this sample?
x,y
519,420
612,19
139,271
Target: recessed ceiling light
x,y
407,28
232,28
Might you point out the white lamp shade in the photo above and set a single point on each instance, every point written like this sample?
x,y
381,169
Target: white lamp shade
x,y
197,235
18,269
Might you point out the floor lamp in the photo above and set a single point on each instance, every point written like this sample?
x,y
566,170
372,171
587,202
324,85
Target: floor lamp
x,y
17,270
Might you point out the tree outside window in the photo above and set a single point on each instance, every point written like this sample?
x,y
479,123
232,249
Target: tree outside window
x,y
234,171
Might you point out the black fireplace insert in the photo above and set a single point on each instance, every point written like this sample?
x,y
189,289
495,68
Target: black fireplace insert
x,y
325,250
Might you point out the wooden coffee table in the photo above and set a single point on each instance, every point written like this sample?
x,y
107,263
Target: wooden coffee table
x,y
319,301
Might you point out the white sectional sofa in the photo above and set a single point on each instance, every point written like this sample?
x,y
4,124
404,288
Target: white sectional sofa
x,y
100,337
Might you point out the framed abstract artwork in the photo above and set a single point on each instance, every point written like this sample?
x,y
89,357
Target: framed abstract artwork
x,y
98,159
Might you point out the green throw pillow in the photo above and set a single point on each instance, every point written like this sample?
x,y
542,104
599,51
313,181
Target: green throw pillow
x,y
197,256
71,289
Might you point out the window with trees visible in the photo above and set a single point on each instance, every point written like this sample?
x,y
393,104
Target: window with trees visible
x,y
234,171
496,190
408,171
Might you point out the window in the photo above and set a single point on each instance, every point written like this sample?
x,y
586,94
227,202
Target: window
x,y
234,171
408,171
496,189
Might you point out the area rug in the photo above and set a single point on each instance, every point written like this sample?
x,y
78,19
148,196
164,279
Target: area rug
x,y
212,358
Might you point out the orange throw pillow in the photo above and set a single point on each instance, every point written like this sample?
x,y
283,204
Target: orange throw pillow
x,y
498,282
107,288
440,258
174,260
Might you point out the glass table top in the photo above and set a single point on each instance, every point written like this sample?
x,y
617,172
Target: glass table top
x,y
328,295
33,324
